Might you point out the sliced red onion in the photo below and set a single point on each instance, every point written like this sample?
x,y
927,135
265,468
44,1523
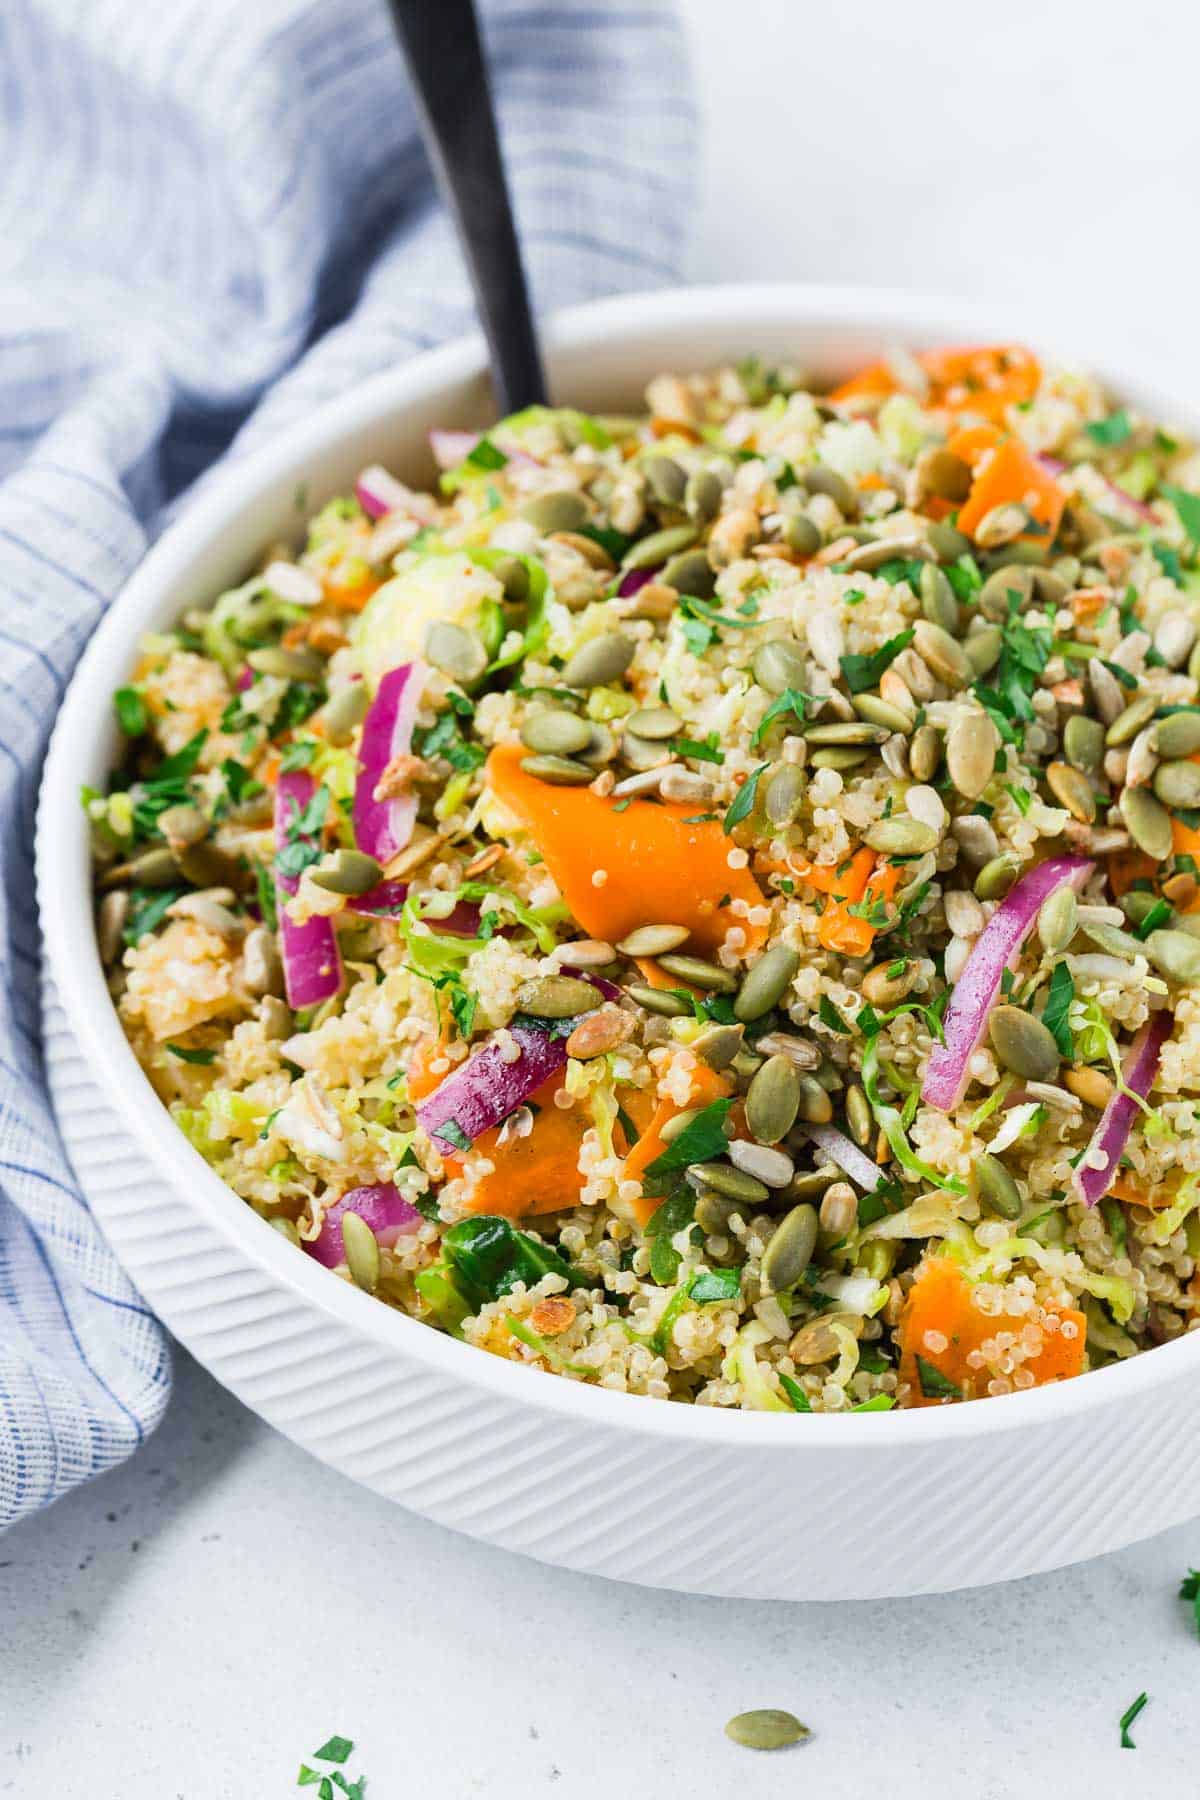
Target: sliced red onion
x,y
1138,508
635,581
378,492
452,447
847,1155
482,1092
382,1207
312,962
386,898
1053,465
1116,1122
245,680
382,828
997,948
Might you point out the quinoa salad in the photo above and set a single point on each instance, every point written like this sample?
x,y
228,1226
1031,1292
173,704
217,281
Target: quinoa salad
x,y
705,903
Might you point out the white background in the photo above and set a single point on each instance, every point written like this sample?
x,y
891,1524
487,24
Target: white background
x,y
193,1625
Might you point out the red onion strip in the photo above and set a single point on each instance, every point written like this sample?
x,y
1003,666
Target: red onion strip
x,y
1111,1134
848,1157
382,1207
312,963
382,827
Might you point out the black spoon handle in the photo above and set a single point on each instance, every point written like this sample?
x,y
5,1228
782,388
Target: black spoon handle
x,y
445,59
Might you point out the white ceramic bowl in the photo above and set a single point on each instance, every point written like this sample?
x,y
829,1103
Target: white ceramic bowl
x,y
716,1502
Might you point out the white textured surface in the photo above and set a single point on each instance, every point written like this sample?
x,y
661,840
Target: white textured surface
x,y
270,1601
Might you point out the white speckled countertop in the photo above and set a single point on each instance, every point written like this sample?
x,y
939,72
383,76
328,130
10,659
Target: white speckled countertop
x,y
193,1625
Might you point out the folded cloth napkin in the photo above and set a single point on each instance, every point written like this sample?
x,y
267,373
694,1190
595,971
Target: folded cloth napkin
x,y
211,219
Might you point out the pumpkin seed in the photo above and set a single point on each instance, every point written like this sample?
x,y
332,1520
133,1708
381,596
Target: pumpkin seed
x,y
949,542
970,752
1177,784
644,754
361,1249
1001,524
1175,954
1023,550
653,940
877,712
785,1259
810,1184
344,711
719,1045
697,972
347,872
1072,789
287,1229
1023,1044
859,1117
823,480
1130,720
603,659
779,664
802,534
1111,939
650,551
943,474
287,665
110,924
995,596
686,787
455,652
938,601
722,1178
714,1211
746,1064
816,1107
996,1186
654,722
207,867
943,654
874,554
901,837
1058,920
1137,905
552,731
1178,735
773,1100
690,573
561,509
1147,821
768,1728
665,478
983,649
557,997
774,1168
702,495
1050,588
766,983
183,825
925,752
839,756
785,794
558,771
996,877
854,732
1083,743
262,969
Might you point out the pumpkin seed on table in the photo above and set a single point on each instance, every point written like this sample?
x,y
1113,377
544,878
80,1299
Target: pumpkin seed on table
x,y
558,509
765,985
557,997
996,1186
773,1100
769,1728
779,664
361,1249
552,731
558,771
1147,821
1083,743
1177,784
1177,735
603,659
1023,1044
659,547
708,976
1072,789
791,1248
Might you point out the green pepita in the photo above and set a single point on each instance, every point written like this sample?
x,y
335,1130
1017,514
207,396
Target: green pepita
x,y
859,1117
901,837
983,649
1175,954
287,665
766,983
345,711
659,547
558,771
1178,735
943,654
718,1045
996,594
779,664
552,731
690,573
802,534
773,1100
561,509
557,997
707,976
938,602
996,877
948,542
1177,784
971,752
1131,720
821,479
723,1178
879,712
1023,1044
347,872
660,1001
839,756
602,659
665,478
1083,743
996,1187
654,722
702,495
1147,821
1072,789
1058,921
925,752
361,1249
784,1261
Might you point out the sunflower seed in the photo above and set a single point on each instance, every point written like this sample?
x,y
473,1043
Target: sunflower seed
x,y
881,988
1174,636
803,1052
1091,1086
826,640
1001,525
914,671
1107,691
1023,1044
785,793
1072,789
786,1257
682,786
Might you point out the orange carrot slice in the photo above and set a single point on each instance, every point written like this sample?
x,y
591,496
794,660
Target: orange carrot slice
x,y
1011,474
985,379
939,1303
647,865
707,1086
848,884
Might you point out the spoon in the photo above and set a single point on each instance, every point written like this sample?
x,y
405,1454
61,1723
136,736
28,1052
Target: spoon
x,y
441,43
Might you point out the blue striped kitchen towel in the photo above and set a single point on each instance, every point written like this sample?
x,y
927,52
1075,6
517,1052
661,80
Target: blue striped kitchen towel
x,y
214,216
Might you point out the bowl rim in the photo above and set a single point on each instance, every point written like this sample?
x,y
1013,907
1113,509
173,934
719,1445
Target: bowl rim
x,y
69,937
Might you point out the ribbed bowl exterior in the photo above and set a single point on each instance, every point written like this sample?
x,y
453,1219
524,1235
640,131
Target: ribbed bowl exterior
x,y
762,1506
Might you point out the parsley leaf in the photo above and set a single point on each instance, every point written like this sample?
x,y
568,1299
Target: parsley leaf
x,y
715,1284
707,751
452,1133
1058,1005
131,712
1188,507
203,1057
795,1394
863,672
148,909
335,1750
744,800
702,1140
790,701
1127,1717
1113,430
935,1385
829,1015
676,1212
1189,1589
444,738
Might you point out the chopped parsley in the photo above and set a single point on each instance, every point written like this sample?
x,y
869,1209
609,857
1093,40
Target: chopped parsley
x,y
1189,1589
1113,430
701,1140
712,1285
1127,1718
1057,1008
744,800
1187,506
790,701
148,907
795,1393
709,750
335,1752
863,672
452,1133
132,715
202,1057
829,1015
935,1385
444,738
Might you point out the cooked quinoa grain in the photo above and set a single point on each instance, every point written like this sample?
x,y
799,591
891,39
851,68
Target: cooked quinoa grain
x,y
715,894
